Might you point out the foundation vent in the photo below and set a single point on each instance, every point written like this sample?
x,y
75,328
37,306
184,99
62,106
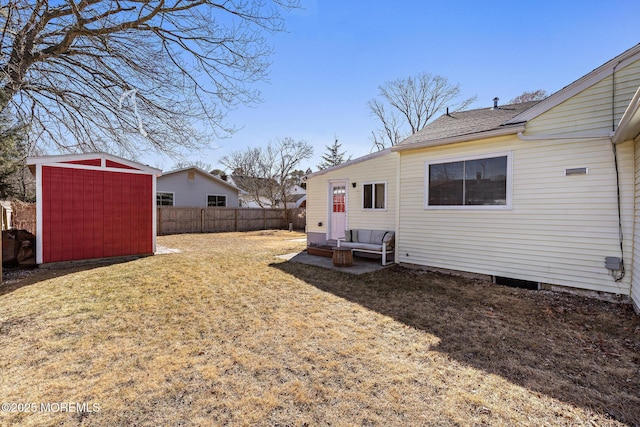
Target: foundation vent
x,y
516,283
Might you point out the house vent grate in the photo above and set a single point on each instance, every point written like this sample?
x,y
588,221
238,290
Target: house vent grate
x,y
576,171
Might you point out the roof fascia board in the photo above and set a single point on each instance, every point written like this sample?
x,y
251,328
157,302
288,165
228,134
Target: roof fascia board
x,y
511,130
579,85
629,126
350,162
62,158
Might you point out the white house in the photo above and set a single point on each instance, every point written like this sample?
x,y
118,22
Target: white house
x,y
544,193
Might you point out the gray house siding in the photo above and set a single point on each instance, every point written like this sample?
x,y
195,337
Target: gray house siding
x,y
193,192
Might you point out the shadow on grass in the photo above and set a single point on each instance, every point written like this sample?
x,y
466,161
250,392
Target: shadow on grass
x,y
14,278
578,350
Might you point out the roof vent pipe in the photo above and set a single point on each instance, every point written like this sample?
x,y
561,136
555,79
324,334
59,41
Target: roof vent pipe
x,y
495,103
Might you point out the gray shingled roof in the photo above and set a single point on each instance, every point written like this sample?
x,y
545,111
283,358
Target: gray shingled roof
x,y
468,122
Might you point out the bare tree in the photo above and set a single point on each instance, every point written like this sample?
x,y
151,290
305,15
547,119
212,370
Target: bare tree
x,y
268,170
526,96
405,106
132,75
251,174
188,164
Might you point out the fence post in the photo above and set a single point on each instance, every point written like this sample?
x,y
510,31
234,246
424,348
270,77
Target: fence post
x,y
202,220
235,221
159,226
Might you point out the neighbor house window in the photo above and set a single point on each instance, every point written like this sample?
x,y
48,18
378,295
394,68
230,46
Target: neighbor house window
x,y
164,199
470,182
374,195
216,201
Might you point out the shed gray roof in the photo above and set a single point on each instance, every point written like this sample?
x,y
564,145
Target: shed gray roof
x,y
468,122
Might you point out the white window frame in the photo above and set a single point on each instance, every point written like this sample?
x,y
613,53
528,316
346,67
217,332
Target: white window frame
x,y
509,195
373,204
226,199
173,197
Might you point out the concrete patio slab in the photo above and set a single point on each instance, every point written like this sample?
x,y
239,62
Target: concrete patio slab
x,y
163,250
360,265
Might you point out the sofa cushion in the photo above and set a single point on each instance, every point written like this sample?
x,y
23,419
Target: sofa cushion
x,y
376,237
356,245
352,236
364,236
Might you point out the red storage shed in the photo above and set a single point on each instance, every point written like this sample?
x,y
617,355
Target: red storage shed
x,y
93,206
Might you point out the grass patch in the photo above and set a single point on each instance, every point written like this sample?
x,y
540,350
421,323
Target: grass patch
x,y
224,334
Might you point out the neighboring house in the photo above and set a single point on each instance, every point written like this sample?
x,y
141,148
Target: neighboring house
x,y
547,193
263,193
297,197
296,201
193,187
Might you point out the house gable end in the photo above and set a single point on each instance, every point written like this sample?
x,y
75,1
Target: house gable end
x,y
613,66
595,109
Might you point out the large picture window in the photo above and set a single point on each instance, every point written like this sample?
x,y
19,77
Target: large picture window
x,y
216,201
164,199
374,195
473,182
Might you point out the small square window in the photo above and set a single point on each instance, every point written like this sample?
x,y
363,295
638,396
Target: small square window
x,y
374,195
216,201
164,199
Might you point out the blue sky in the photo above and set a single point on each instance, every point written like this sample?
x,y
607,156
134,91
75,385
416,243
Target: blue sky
x,y
336,54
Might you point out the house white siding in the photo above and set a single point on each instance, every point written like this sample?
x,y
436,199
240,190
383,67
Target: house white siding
x,y
377,169
558,231
635,287
591,110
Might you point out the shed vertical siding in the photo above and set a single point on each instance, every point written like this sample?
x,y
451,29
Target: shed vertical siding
x,y
94,214
559,230
382,168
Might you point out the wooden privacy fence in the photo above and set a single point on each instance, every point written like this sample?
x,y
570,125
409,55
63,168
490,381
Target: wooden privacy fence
x,y
172,220
175,220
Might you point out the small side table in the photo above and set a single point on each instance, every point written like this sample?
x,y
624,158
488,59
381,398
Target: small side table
x,y
342,257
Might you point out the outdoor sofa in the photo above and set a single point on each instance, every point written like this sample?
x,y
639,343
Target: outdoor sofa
x,y
379,242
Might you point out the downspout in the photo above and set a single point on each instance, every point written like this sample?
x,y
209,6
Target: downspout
x,y
620,275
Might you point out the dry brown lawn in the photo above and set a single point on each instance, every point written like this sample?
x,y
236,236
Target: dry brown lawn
x,y
226,334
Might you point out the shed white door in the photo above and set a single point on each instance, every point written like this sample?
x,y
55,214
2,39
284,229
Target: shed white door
x,y
338,205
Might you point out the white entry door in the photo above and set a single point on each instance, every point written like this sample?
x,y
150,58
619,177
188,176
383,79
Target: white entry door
x,y
338,209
